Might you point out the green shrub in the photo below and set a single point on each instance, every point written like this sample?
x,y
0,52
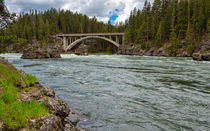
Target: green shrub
x,y
30,80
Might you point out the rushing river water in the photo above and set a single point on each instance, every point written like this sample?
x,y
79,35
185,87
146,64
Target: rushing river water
x,y
129,93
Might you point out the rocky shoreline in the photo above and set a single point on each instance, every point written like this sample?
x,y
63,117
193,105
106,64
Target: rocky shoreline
x,y
61,117
200,54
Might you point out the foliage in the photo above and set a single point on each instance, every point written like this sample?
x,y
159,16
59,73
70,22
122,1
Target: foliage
x,y
16,114
30,80
169,20
38,25
8,94
9,75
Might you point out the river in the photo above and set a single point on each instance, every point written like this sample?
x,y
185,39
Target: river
x,y
129,93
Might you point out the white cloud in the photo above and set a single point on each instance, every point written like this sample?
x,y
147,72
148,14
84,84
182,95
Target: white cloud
x,y
99,8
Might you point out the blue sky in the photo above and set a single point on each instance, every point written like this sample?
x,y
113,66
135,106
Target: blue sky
x,y
113,18
108,10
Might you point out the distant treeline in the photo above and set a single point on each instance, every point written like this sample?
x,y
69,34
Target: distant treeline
x,y
169,21
164,21
38,25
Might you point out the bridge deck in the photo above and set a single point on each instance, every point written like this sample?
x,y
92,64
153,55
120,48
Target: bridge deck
x,y
90,34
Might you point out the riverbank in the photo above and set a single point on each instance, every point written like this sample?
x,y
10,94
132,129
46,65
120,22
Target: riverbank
x,y
27,105
201,52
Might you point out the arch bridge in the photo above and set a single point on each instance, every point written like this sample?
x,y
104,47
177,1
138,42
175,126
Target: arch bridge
x,y
71,40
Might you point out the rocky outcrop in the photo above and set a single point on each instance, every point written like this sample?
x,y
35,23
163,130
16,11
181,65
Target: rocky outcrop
x,y
62,116
45,123
201,57
203,53
34,53
82,50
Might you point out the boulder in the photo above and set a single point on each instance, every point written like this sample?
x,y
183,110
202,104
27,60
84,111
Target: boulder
x,y
1,126
196,56
205,57
70,127
48,91
74,117
36,53
150,52
201,57
45,123
57,106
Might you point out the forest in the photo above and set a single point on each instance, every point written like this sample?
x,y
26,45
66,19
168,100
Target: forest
x,y
169,21
164,21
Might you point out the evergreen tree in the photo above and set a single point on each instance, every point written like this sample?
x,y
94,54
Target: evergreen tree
x,y
159,36
173,35
156,16
208,26
181,25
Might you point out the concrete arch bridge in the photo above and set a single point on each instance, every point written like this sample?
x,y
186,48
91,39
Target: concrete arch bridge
x,y
71,40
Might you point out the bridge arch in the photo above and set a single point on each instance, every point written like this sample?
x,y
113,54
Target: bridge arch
x,y
90,37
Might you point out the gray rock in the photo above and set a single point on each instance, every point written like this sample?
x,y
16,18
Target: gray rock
x,y
1,126
70,127
48,91
38,53
45,123
74,117
201,57
196,56
205,57
57,106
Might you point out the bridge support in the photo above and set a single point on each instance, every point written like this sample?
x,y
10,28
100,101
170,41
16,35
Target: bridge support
x,y
64,43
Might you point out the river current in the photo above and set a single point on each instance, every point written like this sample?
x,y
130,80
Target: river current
x,y
128,93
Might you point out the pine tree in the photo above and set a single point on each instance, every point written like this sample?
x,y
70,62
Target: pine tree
x,y
173,35
156,16
189,39
40,28
181,25
208,26
159,36
141,34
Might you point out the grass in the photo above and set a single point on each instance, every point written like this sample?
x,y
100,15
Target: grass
x,y
15,113
9,94
9,75
30,80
